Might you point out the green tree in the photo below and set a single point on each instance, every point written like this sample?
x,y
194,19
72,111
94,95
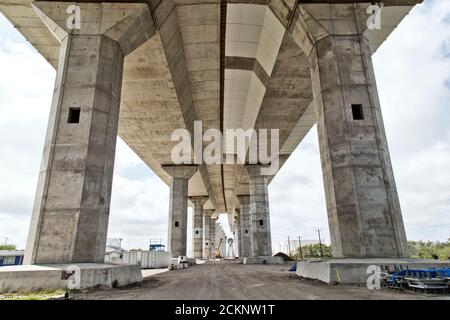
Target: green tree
x,y
313,251
429,250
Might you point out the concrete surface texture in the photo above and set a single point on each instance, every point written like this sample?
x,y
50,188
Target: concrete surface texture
x,y
145,70
231,281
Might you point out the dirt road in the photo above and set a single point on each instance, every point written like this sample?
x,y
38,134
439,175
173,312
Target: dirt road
x,y
229,280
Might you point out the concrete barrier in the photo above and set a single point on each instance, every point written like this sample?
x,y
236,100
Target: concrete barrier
x,y
26,278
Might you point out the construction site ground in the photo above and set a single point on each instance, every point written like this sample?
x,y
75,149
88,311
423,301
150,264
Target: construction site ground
x,y
229,280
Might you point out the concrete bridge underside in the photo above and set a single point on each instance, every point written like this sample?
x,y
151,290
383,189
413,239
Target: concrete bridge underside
x,y
142,69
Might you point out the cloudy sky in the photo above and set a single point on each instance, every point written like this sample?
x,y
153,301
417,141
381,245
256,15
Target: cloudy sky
x,y
413,75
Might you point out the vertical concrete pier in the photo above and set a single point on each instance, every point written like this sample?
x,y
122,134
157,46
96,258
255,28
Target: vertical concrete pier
x,y
363,208
197,226
178,205
207,234
212,232
71,210
245,243
259,212
237,232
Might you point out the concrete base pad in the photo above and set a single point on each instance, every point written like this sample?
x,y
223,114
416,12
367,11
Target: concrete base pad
x,y
37,277
355,270
263,260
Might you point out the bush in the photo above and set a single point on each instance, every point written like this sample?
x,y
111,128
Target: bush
x,y
8,247
429,250
313,251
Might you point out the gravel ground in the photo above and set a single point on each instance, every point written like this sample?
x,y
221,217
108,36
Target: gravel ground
x,y
233,281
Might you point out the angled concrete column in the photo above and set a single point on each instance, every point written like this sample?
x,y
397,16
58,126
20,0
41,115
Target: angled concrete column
x,y
178,205
245,246
197,226
207,234
363,208
237,232
259,212
212,232
71,210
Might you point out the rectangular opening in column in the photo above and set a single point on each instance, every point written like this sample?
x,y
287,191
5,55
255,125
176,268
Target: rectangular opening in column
x,y
74,115
357,111
261,222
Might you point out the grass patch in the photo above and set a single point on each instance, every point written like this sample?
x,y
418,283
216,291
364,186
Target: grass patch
x,y
44,294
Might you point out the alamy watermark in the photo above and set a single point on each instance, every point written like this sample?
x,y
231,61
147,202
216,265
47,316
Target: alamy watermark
x,y
234,146
374,280
73,22
72,275
374,19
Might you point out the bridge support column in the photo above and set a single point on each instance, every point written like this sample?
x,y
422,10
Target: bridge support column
x,y
245,240
207,234
237,232
71,210
197,226
178,205
212,232
363,208
259,212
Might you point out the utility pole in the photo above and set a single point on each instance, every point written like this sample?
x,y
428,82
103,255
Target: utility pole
x,y
120,243
320,244
289,247
300,247
6,241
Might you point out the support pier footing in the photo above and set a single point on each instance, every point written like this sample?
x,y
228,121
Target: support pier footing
x,y
355,271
